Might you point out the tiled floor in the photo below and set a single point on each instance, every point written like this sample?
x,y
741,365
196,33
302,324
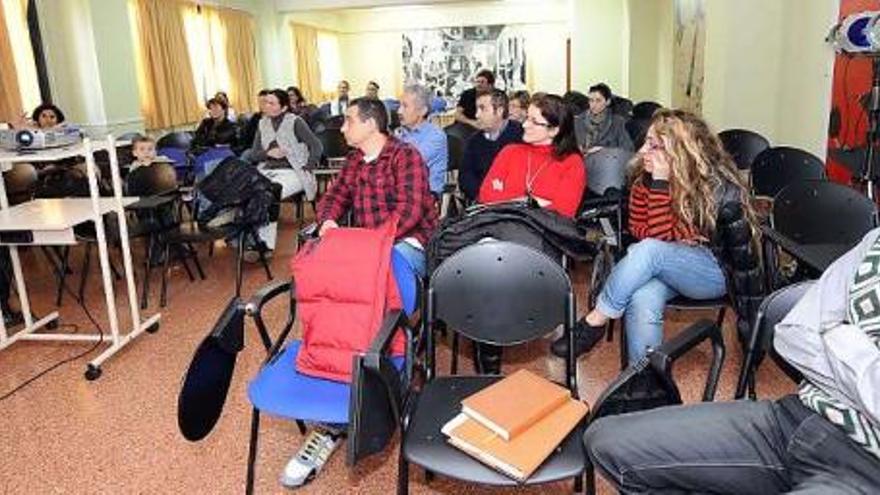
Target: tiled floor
x,y
63,434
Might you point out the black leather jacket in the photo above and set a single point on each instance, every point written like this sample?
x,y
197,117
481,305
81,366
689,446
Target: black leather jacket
x,y
733,247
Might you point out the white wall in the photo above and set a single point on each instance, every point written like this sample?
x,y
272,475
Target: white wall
x,y
600,44
371,45
770,72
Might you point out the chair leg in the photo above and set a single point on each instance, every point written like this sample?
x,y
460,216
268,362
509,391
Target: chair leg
x,y
145,291
624,355
163,298
402,474
579,484
185,264
85,271
252,451
301,425
590,478
453,366
195,257
429,476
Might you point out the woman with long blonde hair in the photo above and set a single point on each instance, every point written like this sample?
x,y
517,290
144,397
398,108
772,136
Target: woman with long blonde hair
x,y
697,236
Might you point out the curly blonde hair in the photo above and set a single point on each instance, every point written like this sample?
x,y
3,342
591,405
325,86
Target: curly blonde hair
x,y
699,166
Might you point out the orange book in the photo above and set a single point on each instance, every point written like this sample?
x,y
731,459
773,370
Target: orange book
x,y
515,403
522,456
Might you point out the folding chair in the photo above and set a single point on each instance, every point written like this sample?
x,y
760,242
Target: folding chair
x,y
498,293
370,405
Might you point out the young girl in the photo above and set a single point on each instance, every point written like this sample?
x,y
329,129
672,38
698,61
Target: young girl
x,y
697,235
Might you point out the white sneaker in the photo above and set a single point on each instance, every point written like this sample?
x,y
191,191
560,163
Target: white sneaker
x,y
308,462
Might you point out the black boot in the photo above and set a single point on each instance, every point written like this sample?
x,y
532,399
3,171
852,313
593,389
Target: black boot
x,y
585,338
487,359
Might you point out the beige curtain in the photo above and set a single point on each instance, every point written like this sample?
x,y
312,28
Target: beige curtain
x,y
241,58
168,96
305,48
10,97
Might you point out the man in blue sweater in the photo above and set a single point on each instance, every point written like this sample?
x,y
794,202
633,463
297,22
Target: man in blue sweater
x,y
496,132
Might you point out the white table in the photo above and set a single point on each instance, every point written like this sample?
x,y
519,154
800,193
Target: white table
x,y
51,221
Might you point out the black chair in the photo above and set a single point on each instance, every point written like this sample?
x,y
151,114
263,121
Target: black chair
x,y
813,213
637,130
772,310
21,183
334,145
779,166
649,383
498,293
743,145
155,182
178,140
460,130
621,106
644,110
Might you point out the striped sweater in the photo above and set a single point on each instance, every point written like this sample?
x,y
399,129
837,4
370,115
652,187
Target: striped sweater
x,y
651,215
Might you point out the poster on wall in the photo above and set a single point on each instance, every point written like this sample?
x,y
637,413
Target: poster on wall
x,y
850,97
688,53
446,59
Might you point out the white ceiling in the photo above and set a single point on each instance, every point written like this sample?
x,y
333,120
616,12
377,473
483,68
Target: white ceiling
x,y
294,5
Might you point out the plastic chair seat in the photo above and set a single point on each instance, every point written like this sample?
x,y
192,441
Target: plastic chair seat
x,y
280,390
682,302
425,445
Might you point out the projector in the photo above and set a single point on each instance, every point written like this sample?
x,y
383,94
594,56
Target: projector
x,y
36,139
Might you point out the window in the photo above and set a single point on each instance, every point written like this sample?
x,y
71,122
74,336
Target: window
x,y
329,61
19,46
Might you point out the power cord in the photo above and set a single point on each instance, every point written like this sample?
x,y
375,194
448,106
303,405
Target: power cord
x,y
82,304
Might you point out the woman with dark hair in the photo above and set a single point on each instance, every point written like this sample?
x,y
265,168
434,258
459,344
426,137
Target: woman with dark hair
x,y
298,104
546,168
284,149
47,116
216,129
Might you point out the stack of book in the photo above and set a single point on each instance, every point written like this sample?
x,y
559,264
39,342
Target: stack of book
x,y
515,424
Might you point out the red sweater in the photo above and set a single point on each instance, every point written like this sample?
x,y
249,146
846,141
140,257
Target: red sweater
x,y
651,215
561,182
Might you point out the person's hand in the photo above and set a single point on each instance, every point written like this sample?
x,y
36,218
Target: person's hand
x,y
276,153
20,122
659,165
327,225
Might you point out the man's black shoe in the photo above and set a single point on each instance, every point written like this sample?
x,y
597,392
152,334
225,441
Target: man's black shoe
x,y
585,338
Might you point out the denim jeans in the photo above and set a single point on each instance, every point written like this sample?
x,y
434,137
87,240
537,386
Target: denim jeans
x,y
741,447
651,273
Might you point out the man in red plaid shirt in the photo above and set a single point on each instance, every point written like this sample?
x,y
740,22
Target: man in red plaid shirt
x,y
383,176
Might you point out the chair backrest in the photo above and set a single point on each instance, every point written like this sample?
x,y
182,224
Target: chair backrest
x,y
333,143
500,292
621,106
743,145
606,169
455,147
460,130
210,156
157,178
776,167
637,130
774,308
644,110
128,136
179,140
21,183
822,212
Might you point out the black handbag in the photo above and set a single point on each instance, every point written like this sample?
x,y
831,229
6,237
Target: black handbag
x,y
206,383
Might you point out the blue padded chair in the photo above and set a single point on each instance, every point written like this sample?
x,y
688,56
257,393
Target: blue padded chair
x,y
205,162
280,390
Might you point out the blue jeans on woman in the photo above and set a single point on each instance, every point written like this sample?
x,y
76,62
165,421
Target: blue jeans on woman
x,y
652,273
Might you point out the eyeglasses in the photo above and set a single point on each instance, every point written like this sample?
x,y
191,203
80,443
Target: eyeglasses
x,y
532,121
653,144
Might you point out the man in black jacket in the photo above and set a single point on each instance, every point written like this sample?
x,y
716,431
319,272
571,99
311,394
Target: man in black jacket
x,y
497,131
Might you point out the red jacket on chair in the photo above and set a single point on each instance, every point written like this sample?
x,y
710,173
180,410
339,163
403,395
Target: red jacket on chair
x,y
344,288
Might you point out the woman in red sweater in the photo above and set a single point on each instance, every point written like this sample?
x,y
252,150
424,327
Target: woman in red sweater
x,y
548,167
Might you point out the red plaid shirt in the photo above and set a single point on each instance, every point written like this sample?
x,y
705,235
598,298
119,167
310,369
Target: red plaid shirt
x,y
395,182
